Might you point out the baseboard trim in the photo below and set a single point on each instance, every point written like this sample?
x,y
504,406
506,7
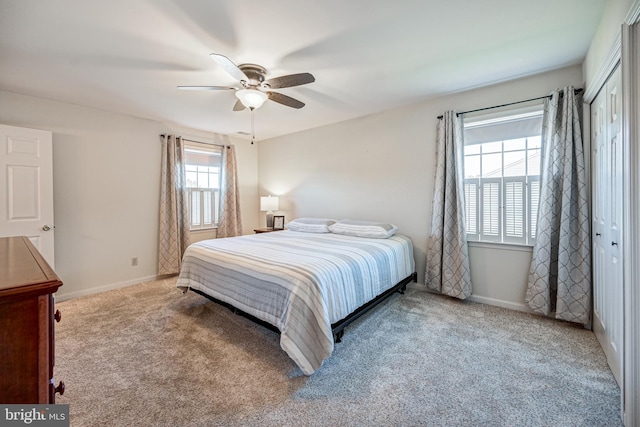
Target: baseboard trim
x,y
500,303
62,296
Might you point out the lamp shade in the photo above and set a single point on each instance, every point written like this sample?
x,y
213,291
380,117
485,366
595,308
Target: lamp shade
x,y
251,98
269,203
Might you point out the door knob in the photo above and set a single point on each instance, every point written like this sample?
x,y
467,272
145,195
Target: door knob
x,y
614,244
598,234
46,228
60,388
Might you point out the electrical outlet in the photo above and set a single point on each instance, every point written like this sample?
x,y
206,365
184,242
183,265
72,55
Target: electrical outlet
x,y
134,261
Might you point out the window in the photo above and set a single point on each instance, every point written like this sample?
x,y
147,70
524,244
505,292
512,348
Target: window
x,y
203,170
502,177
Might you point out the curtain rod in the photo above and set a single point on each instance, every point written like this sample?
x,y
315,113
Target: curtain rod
x,y
510,103
164,135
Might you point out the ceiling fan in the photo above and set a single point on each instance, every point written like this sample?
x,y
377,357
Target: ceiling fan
x,y
255,89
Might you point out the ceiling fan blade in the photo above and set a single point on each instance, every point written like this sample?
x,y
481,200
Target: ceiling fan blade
x,y
206,87
229,67
285,100
239,106
290,80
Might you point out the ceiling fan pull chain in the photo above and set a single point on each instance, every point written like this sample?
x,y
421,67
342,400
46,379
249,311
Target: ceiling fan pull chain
x,y
253,131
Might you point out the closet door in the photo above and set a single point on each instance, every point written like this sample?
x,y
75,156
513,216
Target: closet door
x,y
607,221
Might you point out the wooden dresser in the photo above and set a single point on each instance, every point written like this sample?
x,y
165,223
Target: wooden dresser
x,y
27,285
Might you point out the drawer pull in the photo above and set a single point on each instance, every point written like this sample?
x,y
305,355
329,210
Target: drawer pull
x,y
60,388
57,316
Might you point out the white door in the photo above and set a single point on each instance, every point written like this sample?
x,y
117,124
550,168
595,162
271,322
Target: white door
x,y
607,221
26,187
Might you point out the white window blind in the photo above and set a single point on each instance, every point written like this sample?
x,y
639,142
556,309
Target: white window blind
x,y
502,176
503,127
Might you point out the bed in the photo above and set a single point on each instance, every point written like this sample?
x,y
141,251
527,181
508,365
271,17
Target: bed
x,y
306,286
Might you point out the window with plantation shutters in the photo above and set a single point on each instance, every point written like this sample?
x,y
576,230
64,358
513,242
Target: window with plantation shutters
x,y
202,163
502,177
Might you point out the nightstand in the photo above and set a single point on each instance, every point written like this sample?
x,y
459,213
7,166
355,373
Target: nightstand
x,y
264,230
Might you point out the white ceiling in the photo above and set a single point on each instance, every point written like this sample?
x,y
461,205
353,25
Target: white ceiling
x,y
366,55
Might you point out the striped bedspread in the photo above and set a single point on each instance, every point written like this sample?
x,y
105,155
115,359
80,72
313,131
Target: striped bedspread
x,y
299,282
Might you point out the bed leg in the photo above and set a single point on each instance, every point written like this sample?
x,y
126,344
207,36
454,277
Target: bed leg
x,y
338,336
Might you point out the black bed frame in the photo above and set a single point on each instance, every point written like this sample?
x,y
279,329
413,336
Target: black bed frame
x,y
336,328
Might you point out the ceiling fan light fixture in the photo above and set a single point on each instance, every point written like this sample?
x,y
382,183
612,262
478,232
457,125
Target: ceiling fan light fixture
x,y
251,98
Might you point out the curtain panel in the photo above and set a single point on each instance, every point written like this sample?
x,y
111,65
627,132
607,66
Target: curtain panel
x,y
560,272
230,222
447,265
174,220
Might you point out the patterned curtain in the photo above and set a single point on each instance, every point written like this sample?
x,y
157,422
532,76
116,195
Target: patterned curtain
x,y
559,277
174,220
230,223
447,268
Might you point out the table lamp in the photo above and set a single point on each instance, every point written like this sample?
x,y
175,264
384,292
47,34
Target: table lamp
x,y
269,204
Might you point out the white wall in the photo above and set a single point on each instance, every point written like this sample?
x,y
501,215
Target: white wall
x,y
106,169
608,32
381,167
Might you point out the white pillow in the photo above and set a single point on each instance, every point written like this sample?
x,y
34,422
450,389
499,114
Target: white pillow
x,y
376,230
310,225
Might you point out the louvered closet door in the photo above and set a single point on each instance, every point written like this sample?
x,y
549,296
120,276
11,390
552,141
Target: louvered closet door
x,y
607,220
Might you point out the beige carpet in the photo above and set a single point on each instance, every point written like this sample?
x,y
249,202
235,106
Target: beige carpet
x,y
149,356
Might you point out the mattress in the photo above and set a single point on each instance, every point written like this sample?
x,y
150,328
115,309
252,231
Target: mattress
x,y
299,282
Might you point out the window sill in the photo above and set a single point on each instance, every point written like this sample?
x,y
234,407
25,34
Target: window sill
x,y
500,246
203,230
